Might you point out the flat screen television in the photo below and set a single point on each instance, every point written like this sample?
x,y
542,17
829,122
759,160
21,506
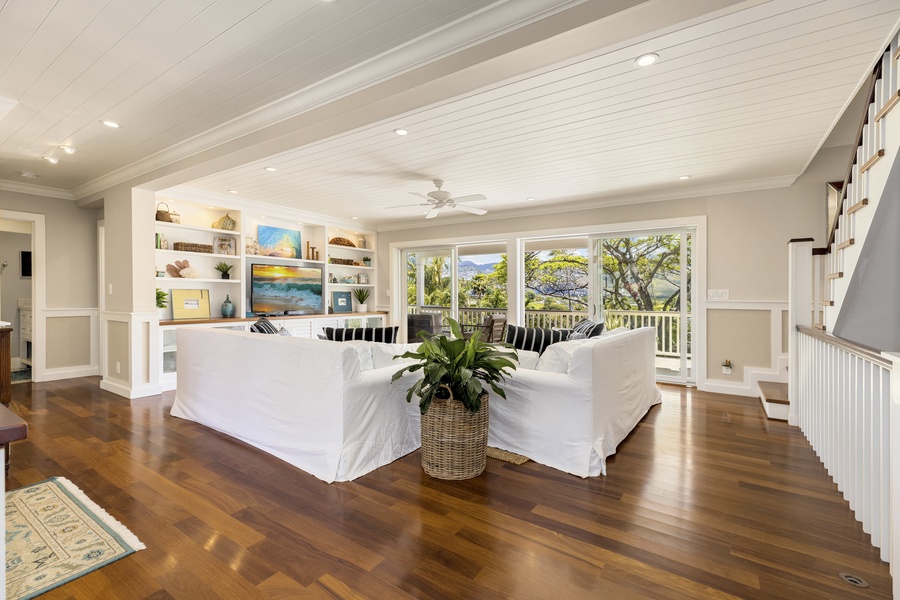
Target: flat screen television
x,y
281,289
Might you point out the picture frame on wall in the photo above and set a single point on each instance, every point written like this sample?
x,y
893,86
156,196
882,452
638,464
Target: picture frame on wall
x,y
278,241
341,302
190,304
224,245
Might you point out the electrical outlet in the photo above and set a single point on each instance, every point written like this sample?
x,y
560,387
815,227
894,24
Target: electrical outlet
x,y
118,367
717,294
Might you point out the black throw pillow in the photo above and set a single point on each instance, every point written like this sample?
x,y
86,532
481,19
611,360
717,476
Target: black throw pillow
x,y
588,328
369,334
263,325
536,340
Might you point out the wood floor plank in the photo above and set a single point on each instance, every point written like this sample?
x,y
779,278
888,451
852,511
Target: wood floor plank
x,y
705,499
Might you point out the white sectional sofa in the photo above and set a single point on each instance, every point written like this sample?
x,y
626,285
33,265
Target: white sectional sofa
x,y
329,408
579,402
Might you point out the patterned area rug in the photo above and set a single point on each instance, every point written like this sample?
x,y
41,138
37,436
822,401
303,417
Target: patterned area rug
x,y
20,375
506,456
54,534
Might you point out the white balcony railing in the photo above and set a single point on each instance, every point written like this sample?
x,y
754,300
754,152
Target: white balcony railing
x,y
666,323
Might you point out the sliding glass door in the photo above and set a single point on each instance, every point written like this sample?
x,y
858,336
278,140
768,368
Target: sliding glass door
x,y
644,280
431,276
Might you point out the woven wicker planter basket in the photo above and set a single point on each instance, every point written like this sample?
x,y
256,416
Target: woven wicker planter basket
x,y
454,441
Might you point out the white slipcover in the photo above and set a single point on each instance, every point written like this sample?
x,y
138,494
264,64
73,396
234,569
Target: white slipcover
x,y
574,420
306,401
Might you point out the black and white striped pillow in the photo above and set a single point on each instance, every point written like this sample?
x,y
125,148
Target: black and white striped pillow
x,y
536,340
369,334
263,325
588,328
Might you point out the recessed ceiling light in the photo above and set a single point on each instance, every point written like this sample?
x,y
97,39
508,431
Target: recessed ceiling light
x,y
683,177
232,191
68,149
354,218
530,198
28,175
647,59
112,124
273,169
51,159
401,131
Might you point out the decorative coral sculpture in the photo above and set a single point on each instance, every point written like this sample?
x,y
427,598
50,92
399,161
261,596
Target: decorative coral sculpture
x,y
182,268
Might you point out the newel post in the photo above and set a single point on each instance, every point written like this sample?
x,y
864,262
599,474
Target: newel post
x,y
894,458
800,297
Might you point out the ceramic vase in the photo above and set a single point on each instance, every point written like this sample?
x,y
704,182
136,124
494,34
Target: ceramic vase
x,y
227,308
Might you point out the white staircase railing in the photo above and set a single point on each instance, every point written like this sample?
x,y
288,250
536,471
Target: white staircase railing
x,y
845,398
863,187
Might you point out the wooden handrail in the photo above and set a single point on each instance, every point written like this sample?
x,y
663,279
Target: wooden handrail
x,y
868,354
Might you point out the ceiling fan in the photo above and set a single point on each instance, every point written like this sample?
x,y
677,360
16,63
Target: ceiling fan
x,y
439,200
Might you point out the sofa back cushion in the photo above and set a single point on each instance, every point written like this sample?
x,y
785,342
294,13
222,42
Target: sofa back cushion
x,y
536,340
383,354
557,357
369,334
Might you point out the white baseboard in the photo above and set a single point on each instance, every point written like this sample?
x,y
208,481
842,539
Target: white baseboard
x,y
752,376
69,373
776,411
123,390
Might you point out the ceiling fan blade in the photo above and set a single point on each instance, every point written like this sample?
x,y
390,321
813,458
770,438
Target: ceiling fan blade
x,y
433,212
407,205
423,196
472,198
471,209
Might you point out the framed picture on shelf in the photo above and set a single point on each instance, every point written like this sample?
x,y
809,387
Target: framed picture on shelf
x,y
224,245
341,302
276,241
190,304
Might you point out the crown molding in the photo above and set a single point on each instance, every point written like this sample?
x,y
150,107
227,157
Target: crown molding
x,y
270,210
606,202
36,190
491,22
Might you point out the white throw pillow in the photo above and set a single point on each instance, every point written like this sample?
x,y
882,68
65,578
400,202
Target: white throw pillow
x,y
555,358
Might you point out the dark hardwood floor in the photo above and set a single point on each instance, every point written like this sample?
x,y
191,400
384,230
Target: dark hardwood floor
x,y
706,499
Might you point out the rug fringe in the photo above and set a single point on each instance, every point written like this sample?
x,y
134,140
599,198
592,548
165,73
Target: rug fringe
x,y
123,532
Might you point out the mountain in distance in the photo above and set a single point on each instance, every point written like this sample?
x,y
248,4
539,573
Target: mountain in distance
x,y
468,269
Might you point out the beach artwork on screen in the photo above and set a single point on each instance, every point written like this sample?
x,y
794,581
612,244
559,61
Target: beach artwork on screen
x,y
276,241
277,289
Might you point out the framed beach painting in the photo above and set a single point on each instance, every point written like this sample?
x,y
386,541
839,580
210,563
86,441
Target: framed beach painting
x,y
276,241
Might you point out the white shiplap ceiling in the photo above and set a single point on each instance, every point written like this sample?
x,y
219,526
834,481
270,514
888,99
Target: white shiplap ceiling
x,y
743,95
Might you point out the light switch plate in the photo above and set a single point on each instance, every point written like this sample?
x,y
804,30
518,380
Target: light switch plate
x,y
717,294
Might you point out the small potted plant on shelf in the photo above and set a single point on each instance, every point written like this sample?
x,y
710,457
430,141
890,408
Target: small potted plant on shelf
x,y
367,261
224,268
453,401
362,295
162,300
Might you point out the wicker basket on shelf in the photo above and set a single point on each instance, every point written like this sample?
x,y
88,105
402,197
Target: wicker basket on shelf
x,y
339,241
341,261
454,441
192,247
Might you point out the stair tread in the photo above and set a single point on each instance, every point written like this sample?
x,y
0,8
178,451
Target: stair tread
x,y
774,392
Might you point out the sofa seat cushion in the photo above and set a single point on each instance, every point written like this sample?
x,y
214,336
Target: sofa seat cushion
x,y
369,334
534,339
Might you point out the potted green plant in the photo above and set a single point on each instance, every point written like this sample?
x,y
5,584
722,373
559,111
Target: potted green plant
x,y
367,261
453,400
162,298
362,295
224,268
